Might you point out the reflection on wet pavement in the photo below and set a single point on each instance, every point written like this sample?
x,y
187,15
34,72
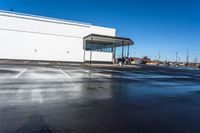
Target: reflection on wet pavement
x,y
36,99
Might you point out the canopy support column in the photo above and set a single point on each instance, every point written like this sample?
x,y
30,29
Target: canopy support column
x,y
91,52
114,54
128,52
122,53
113,57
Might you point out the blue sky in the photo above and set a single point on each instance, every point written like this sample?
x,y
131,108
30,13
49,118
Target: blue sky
x,y
168,26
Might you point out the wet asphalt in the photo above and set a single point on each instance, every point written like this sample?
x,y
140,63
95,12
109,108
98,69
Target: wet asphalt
x,y
80,99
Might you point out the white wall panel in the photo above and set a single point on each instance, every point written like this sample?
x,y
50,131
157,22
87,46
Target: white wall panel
x,y
55,40
20,45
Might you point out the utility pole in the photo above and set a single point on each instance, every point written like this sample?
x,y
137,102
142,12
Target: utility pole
x,y
187,58
176,57
159,56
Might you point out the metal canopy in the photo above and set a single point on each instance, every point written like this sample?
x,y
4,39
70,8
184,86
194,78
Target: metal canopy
x,y
117,41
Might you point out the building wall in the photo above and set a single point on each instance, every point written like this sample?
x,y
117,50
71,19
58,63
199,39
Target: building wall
x,y
98,56
36,38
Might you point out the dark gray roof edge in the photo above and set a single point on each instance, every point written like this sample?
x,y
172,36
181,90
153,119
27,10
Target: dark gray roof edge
x,y
113,37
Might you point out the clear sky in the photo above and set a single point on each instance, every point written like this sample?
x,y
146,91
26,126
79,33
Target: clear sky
x,y
168,26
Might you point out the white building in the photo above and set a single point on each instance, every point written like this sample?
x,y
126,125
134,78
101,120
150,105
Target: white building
x,y
29,37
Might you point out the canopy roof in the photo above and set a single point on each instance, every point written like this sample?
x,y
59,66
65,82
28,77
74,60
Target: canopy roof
x,y
117,41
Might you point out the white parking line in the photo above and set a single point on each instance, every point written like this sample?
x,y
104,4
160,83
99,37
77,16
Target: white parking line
x,y
86,71
26,62
105,75
43,63
65,73
21,73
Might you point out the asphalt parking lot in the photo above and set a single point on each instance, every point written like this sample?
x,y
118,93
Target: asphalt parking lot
x,y
43,97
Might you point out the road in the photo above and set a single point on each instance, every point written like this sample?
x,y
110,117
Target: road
x,y
59,98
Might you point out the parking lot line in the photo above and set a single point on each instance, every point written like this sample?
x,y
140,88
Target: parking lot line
x,y
43,63
65,73
26,62
21,73
105,75
86,71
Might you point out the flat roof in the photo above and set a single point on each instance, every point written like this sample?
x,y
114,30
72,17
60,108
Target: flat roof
x,y
41,18
117,41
